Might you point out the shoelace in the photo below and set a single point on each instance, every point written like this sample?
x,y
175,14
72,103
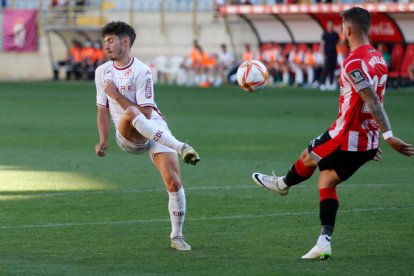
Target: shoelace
x,y
270,178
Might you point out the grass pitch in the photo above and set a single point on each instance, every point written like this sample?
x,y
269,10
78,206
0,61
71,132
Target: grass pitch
x,y
64,211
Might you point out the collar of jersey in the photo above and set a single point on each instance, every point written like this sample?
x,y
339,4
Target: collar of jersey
x,y
125,67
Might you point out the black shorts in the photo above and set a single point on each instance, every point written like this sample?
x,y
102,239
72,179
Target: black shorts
x,y
345,163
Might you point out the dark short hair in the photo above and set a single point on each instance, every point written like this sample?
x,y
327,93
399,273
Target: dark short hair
x,y
119,29
359,17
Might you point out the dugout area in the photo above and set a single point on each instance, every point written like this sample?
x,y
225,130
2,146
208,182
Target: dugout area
x,y
59,39
392,24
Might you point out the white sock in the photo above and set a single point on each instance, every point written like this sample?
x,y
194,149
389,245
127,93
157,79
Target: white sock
x,y
156,132
286,78
324,240
176,208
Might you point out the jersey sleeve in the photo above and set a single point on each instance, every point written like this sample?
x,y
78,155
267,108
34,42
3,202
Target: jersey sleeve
x,y
145,88
358,75
101,98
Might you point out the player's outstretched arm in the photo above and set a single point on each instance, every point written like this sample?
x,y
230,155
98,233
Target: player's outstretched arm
x,y
400,146
378,112
104,125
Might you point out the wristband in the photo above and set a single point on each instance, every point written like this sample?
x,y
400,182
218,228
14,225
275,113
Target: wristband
x,y
387,134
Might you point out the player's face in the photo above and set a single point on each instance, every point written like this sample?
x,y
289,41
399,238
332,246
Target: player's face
x,y
115,47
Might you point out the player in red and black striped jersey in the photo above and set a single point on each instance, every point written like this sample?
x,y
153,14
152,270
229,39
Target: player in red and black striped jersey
x,y
353,139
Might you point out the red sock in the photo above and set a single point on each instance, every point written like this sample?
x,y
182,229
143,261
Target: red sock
x,y
328,206
326,193
302,170
298,173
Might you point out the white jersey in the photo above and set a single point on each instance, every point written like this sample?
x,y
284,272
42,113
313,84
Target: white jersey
x,y
133,81
226,59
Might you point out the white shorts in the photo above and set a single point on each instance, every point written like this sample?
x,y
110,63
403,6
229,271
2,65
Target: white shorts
x,y
151,146
129,146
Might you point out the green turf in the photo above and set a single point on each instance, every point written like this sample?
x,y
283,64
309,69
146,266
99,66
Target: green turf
x,y
64,211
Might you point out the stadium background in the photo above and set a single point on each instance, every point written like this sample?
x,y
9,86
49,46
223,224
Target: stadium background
x,y
168,27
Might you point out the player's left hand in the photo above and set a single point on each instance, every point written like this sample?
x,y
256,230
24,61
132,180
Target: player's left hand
x,y
378,156
400,146
110,89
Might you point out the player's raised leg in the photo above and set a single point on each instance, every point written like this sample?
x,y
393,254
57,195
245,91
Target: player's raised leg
x,y
134,119
168,166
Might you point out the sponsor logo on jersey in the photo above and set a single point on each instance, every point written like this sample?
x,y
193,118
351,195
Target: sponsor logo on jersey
x,y
357,76
148,73
124,89
148,89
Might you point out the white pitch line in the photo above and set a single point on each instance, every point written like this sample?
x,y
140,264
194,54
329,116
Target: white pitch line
x,y
204,188
241,216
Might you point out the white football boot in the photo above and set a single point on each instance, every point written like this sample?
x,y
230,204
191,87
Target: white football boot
x,y
189,155
180,244
319,252
270,182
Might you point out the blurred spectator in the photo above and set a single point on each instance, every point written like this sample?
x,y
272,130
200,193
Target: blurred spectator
x,y
271,58
296,63
216,9
80,5
72,63
87,60
385,53
194,70
279,60
208,69
309,65
248,53
3,3
59,9
57,3
329,41
319,62
225,63
285,67
98,54
241,2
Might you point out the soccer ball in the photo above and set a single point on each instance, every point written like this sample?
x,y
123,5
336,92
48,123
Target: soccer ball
x,y
252,75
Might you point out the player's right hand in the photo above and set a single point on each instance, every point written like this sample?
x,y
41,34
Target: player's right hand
x,y
378,155
100,149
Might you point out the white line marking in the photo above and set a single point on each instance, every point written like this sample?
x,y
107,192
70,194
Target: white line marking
x,y
241,216
204,188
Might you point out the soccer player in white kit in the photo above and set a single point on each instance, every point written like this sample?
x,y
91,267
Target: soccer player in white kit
x,y
125,93
353,139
